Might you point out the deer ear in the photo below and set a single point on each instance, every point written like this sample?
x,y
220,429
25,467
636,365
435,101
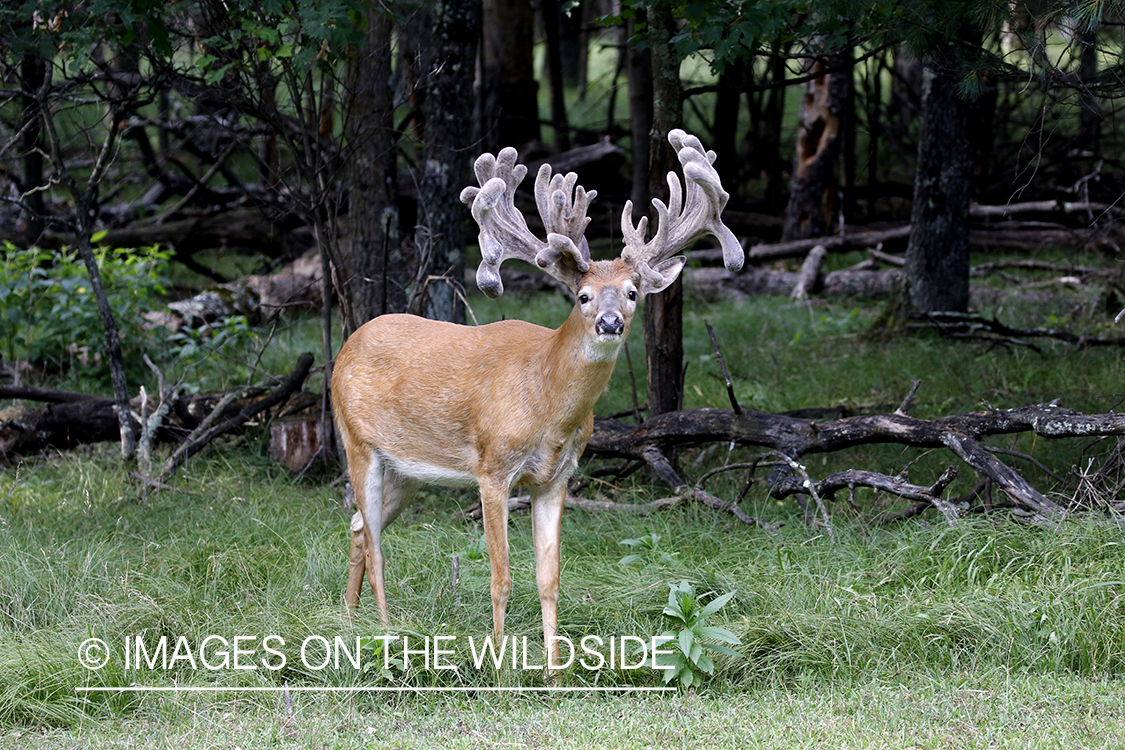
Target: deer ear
x,y
659,277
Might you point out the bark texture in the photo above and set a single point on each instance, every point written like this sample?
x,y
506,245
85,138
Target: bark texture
x,y
937,256
375,278
663,312
448,146
812,190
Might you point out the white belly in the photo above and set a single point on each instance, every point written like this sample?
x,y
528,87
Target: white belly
x,y
429,473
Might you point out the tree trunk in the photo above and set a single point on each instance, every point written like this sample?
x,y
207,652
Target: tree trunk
x,y
762,143
726,125
937,256
663,312
376,275
33,70
812,189
640,114
509,106
85,200
448,144
549,12
1091,112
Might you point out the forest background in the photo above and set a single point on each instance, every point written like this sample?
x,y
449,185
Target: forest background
x,y
194,193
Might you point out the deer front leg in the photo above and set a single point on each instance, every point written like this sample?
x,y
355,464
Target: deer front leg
x,y
546,529
494,507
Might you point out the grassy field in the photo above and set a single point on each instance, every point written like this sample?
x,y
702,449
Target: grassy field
x,y
991,634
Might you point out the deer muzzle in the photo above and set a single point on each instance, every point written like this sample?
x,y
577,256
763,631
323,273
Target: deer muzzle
x,y
609,324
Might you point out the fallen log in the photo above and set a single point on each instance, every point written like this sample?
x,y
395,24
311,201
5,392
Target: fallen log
x,y
971,325
794,437
72,419
980,236
754,281
243,228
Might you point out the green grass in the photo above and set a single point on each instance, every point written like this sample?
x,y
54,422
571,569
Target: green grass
x,y
932,711
906,631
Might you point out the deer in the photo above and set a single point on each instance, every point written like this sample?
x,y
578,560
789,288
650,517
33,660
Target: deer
x,y
508,404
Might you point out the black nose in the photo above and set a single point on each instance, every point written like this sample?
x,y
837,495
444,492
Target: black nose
x,y
610,323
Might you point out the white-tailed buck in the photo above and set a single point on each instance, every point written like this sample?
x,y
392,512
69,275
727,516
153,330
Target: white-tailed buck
x,y
508,404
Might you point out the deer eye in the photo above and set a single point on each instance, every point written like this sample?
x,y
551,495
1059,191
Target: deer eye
x,y
583,298
632,295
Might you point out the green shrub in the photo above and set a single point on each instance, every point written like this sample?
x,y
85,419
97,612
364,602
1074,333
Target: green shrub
x,y
48,314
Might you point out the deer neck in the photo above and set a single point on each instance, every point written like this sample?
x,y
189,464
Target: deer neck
x,y
577,368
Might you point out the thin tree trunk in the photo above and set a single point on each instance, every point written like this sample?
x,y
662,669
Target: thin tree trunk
x,y
762,143
85,200
509,108
663,312
726,125
549,12
33,70
1090,112
640,114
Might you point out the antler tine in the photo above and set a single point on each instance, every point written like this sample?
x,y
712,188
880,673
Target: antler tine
x,y
564,218
503,230
685,218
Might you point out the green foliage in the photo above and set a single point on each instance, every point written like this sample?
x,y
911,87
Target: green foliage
x,y
73,31
478,550
301,33
649,546
193,343
691,638
48,313
725,32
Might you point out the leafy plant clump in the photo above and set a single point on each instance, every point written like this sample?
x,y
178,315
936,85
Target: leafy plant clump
x,y
650,551
48,314
692,637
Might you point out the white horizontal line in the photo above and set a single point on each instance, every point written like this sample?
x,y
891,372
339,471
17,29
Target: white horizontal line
x,y
373,689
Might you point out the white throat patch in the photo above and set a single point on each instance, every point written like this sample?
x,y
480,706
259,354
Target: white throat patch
x,y
602,348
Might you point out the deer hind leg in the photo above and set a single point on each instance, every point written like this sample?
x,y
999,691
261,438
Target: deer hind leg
x,y
384,495
494,508
357,564
546,528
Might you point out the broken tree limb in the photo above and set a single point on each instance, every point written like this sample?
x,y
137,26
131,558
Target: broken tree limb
x,y
984,236
663,468
243,228
43,395
285,389
67,421
795,437
1006,478
1047,207
852,478
809,273
753,281
962,324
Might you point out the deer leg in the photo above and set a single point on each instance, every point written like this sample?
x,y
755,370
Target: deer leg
x,y
397,493
369,500
361,465
357,565
494,507
546,528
